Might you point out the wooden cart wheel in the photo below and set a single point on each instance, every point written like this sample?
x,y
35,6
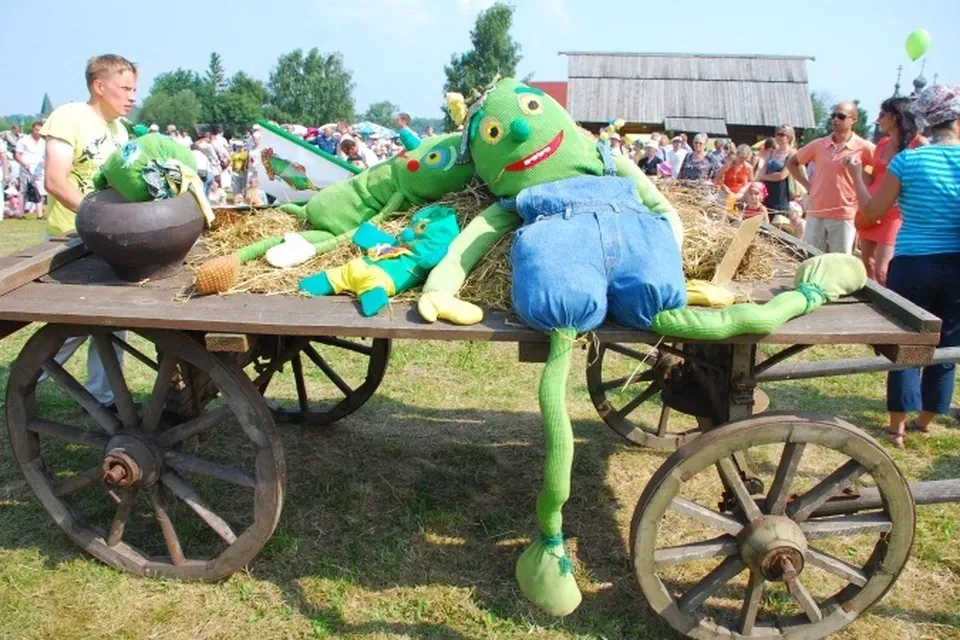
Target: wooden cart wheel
x,y
792,563
193,500
620,379
312,361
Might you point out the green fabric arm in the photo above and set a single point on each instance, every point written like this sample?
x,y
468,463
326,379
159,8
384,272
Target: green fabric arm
x,y
649,195
394,204
469,247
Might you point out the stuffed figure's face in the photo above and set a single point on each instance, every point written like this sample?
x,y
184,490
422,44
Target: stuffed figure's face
x,y
431,170
522,137
430,232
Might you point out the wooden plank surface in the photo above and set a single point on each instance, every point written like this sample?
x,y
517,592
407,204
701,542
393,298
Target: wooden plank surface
x,y
153,307
37,261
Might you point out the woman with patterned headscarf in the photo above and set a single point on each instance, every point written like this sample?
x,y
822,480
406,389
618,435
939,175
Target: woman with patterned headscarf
x,y
926,184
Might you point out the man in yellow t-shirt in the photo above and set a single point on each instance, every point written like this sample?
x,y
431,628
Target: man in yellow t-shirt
x,y
81,135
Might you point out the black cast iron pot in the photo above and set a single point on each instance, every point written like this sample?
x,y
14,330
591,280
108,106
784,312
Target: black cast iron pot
x,y
140,240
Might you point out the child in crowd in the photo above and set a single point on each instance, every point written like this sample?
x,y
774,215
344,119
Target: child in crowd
x,y
753,201
217,195
13,205
357,160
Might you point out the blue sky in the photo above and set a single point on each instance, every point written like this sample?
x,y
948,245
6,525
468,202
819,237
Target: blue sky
x,y
397,48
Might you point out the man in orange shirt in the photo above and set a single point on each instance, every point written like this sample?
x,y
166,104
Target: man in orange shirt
x,y
833,197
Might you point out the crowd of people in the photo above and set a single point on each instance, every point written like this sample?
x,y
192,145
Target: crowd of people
x,y
23,190
363,150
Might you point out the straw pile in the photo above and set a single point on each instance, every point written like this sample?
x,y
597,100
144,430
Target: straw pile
x,y
708,229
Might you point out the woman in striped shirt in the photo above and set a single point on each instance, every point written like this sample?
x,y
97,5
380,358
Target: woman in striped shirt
x,y
926,183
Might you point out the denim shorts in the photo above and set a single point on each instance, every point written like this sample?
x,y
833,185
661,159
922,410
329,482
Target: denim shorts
x,y
587,248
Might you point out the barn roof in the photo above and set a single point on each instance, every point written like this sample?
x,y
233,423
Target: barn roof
x,y
696,89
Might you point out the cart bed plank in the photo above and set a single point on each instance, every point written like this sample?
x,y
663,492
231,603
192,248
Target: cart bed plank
x,y
154,307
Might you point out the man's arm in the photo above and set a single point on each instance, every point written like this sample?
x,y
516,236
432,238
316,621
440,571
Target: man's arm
x,y
59,163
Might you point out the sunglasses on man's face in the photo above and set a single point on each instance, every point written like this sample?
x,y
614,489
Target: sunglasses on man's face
x,y
781,134
838,116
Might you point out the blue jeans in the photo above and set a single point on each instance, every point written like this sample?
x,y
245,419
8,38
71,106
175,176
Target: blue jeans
x,y
932,283
587,248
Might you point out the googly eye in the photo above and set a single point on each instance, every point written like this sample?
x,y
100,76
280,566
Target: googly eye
x,y
531,105
436,158
491,130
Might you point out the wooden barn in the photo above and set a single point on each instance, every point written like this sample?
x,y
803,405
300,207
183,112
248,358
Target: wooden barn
x,y
742,97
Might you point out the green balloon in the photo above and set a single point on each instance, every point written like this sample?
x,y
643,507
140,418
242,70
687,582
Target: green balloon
x,y
917,43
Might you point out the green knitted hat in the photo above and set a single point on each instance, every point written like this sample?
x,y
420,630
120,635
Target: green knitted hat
x,y
520,137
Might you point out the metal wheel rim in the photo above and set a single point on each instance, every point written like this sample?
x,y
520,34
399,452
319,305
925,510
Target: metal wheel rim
x,y
243,403
844,606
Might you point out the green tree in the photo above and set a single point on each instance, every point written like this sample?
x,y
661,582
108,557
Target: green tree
x,y
494,52
311,89
383,113
181,109
237,112
250,87
420,124
47,107
862,126
171,82
216,77
822,102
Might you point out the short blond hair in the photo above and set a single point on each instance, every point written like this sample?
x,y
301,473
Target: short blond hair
x,y
99,67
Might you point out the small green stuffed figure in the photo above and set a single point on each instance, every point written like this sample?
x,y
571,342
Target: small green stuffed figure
x,y
153,167
420,175
818,280
392,265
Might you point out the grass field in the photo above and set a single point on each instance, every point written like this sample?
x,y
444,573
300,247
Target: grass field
x,y
406,519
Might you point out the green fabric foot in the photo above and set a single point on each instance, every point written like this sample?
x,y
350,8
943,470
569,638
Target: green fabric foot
x,y
545,574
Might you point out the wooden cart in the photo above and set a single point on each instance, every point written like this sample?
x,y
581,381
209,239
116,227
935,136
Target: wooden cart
x,y
213,360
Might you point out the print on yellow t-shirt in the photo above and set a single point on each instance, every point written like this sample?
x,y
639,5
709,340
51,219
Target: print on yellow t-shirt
x,y
93,139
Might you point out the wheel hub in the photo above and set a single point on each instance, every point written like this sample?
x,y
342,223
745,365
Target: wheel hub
x,y
773,546
129,461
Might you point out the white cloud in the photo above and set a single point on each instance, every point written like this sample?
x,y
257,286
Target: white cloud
x,y
403,16
473,6
556,11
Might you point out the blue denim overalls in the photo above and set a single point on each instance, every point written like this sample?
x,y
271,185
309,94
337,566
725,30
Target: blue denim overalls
x,y
587,248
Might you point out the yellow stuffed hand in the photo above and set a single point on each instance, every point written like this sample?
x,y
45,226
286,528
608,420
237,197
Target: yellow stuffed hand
x,y
444,306
701,293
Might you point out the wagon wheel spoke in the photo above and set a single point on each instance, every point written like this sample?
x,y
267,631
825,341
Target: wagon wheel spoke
x,y
126,409
68,433
192,464
710,584
76,482
302,398
632,353
328,371
731,477
801,508
836,566
709,517
642,397
356,347
127,498
84,398
664,421
186,493
751,603
645,376
846,526
719,547
202,423
161,387
170,539
800,593
133,351
783,479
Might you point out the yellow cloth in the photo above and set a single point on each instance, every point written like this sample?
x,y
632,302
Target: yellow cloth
x,y
701,293
357,277
238,161
93,139
190,181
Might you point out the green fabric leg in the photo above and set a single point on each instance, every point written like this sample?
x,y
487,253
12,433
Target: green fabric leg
x,y
544,570
740,319
297,211
258,249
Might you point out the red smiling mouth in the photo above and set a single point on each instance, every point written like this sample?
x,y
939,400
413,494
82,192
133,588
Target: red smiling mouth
x,y
537,157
